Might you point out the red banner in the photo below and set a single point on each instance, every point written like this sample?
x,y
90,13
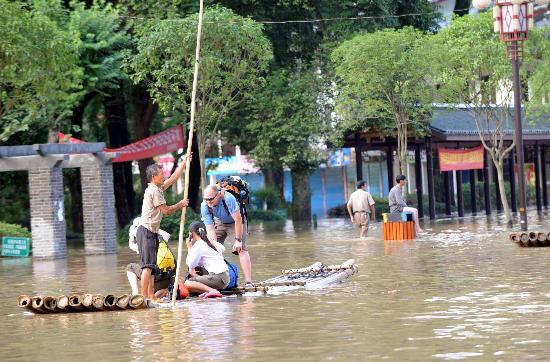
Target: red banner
x,y
466,159
164,142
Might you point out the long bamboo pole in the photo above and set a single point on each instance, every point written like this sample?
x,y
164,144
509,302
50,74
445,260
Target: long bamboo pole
x,y
189,144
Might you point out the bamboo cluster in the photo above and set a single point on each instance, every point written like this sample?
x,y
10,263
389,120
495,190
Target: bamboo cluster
x,y
41,304
530,239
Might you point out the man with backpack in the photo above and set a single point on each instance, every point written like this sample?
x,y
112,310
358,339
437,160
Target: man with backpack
x,y
223,216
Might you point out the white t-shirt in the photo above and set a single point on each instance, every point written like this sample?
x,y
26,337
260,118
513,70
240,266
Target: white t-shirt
x,y
203,255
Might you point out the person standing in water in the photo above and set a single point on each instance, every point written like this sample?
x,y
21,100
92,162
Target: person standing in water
x,y
153,208
361,208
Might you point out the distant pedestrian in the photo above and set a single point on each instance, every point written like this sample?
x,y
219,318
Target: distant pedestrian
x,y
154,207
361,208
397,201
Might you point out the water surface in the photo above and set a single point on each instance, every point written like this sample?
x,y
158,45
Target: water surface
x,y
462,291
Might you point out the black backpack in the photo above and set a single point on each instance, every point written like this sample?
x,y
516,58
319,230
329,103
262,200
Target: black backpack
x,y
237,187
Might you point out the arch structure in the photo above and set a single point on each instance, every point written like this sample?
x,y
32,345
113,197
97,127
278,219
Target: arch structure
x,y
45,163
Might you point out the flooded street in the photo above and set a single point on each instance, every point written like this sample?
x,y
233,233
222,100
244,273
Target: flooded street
x,y
459,292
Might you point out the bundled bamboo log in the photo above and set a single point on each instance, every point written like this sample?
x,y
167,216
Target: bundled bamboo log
x,y
533,236
75,302
24,301
88,301
541,238
314,266
524,238
38,304
50,303
138,301
109,301
63,304
513,237
288,283
97,302
548,237
122,301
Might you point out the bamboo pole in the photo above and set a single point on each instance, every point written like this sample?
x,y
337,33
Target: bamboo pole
x,y
189,144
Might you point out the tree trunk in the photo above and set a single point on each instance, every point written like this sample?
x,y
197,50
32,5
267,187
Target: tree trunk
x,y
275,177
117,128
73,178
144,113
402,145
301,195
202,158
500,176
195,194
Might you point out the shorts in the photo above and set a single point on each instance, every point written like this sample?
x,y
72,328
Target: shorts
x,y
361,218
148,243
225,230
161,282
217,281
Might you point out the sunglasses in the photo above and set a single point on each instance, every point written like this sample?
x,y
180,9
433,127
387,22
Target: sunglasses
x,y
211,198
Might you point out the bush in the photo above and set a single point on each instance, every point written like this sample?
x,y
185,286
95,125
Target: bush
x,y
267,195
266,215
13,230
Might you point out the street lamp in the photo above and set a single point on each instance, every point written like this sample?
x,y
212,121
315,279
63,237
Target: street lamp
x,y
512,19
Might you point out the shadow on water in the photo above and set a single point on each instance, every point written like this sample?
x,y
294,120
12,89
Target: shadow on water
x,y
460,291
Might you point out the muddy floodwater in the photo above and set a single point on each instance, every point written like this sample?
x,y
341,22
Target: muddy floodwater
x,y
461,291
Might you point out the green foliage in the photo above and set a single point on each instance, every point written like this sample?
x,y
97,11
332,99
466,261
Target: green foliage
x,y
256,216
38,69
284,121
101,41
469,61
13,230
267,195
383,85
234,53
537,59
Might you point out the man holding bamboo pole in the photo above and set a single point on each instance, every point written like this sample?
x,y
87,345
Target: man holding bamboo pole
x,y
153,208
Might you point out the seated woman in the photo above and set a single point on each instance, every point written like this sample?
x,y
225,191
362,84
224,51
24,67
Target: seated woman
x,y
201,252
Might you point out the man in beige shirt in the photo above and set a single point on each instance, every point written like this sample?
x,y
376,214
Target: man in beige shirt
x,y
361,208
153,208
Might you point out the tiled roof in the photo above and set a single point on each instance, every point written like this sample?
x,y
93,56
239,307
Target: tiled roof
x,y
460,122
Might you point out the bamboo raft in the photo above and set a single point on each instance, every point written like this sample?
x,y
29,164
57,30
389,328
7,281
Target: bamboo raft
x,y
315,276
530,239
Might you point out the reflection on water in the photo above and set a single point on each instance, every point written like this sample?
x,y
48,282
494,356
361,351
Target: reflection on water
x,y
460,291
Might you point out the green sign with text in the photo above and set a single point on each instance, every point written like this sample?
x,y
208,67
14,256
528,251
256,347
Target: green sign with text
x,y
15,246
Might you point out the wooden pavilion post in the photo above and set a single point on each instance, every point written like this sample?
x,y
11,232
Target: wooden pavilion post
x,y
536,159
512,172
418,180
430,169
447,186
486,189
459,193
473,191
358,157
543,176
497,189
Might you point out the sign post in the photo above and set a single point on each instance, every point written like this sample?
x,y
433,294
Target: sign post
x,y
15,246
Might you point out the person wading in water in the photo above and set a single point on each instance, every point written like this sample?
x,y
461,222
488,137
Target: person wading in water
x,y
153,208
361,208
